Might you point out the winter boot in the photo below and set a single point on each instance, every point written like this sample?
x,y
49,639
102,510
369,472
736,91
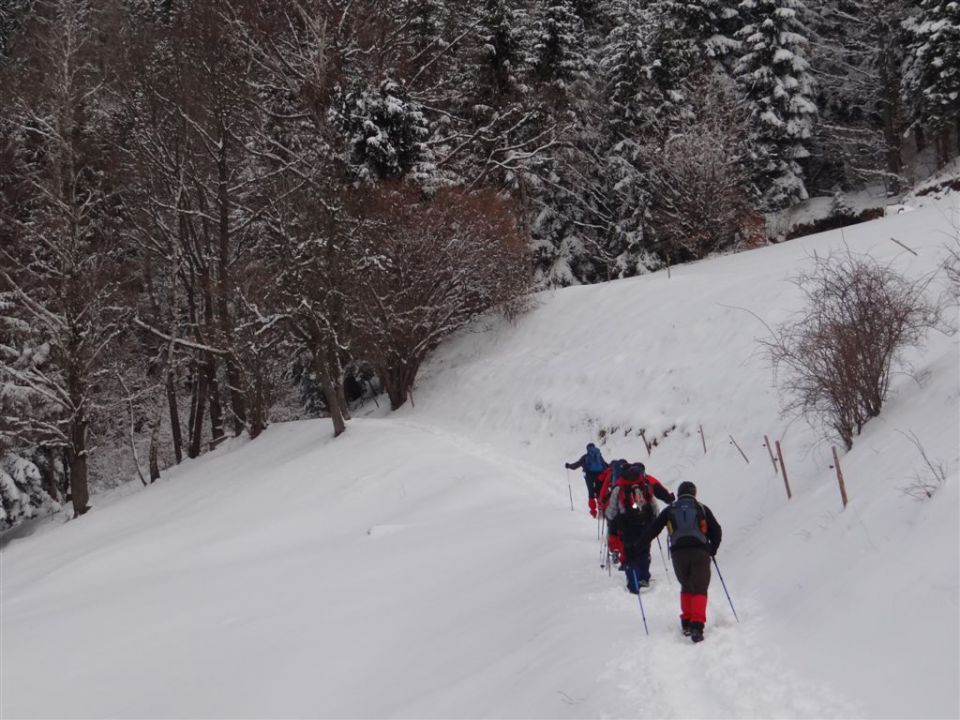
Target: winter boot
x,y
696,632
685,627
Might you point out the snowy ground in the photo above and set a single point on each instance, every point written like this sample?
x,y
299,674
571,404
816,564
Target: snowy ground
x,y
427,564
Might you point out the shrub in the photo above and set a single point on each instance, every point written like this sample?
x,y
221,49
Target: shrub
x,y
836,357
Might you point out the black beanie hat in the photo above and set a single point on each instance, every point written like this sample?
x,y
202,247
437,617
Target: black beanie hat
x,y
687,488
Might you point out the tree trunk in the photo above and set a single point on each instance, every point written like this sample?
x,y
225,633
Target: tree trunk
x,y
154,459
79,490
257,404
893,142
213,396
235,392
943,147
336,412
174,418
197,408
397,383
330,395
65,463
50,481
256,418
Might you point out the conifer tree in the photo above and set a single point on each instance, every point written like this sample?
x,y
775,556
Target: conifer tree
x,y
558,54
775,77
932,80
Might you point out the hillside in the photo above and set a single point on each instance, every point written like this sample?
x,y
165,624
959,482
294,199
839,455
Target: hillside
x,y
427,563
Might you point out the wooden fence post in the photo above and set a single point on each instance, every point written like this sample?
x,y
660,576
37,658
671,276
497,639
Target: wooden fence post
x,y
766,443
703,440
644,437
783,469
843,487
738,448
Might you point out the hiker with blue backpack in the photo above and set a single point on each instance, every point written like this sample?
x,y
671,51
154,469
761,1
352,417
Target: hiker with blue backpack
x,y
593,464
694,536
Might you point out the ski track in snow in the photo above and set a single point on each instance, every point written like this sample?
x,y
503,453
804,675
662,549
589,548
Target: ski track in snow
x,y
736,673
733,673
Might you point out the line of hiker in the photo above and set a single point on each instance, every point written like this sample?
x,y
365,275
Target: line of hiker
x,y
627,498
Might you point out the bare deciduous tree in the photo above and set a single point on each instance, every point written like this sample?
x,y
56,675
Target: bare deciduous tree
x,y
838,355
433,266
62,268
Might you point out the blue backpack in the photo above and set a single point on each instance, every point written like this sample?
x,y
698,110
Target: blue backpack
x,y
594,462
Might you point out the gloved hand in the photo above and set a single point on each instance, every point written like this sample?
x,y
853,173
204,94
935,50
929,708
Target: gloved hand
x,y
568,466
713,551
673,498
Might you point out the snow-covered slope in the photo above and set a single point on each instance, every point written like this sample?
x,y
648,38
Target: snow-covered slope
x,y
427,564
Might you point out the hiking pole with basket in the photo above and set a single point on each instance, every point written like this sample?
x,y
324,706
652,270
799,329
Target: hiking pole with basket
x,y
570,488
636,584
719,575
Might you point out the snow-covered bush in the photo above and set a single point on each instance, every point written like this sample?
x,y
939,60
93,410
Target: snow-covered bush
x,y
22,495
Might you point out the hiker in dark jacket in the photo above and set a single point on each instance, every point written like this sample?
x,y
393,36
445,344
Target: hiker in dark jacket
x,y
695,537
631,507
593,464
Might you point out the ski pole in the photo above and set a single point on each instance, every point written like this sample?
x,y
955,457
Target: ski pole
x,y
636,584
667,571
570,488
719,575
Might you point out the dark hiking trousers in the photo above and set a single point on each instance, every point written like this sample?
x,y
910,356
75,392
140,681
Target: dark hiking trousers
x,y
638,561
593,487
692,566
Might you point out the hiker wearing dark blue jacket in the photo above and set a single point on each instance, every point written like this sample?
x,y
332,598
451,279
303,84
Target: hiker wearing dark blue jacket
x,y
694,537
593,464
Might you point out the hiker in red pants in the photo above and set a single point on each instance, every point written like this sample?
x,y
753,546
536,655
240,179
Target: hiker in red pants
x,y
694,538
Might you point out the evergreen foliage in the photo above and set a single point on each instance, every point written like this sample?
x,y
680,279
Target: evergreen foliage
x,y
933,77
775,77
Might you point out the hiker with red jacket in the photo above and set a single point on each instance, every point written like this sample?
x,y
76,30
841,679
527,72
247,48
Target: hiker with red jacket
x,y
606,481
593,464
695,536
630,509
